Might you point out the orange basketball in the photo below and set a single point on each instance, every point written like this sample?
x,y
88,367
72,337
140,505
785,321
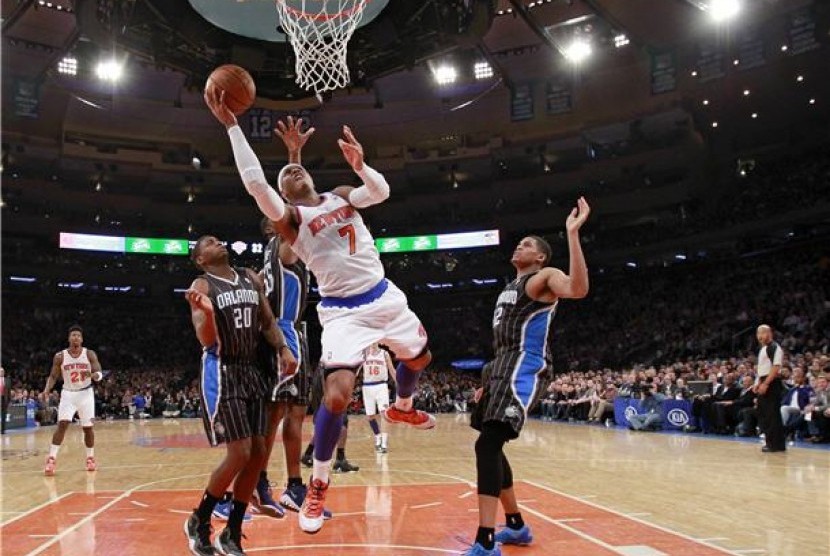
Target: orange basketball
x,y
239,87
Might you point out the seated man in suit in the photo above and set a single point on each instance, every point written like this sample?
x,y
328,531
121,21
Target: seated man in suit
x,y
727,410
794,403
819,424
650,418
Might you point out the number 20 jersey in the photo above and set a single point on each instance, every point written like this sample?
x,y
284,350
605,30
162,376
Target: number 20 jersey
x,y
337,247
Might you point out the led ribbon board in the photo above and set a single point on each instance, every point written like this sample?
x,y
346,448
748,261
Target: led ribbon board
x,y
435,242
118,244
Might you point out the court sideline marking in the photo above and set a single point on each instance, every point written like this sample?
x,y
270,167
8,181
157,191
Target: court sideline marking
x,y
638,520
101,510
36,508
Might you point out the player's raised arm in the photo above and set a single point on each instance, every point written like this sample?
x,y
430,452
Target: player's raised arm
x,y
54,374
250,170
272,333
97,373
293,137
201,313
552,281
375,188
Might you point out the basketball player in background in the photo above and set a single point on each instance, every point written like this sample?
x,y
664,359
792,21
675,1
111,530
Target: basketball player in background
x,y
376,366
229,310
358,305
286,286
513,382
78,366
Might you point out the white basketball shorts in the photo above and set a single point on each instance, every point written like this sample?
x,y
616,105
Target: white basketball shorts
x,y
350,325
375,398
82,401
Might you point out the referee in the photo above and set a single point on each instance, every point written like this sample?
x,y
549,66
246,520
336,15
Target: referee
x,y
769,389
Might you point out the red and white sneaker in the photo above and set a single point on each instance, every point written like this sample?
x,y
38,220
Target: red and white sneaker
x,y
311,513
49,470
414,417
90,464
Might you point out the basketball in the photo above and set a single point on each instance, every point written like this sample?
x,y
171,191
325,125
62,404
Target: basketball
x,y
239,87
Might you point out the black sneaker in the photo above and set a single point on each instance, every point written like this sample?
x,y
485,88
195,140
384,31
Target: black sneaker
x,y
307,459
343,466
198,536
228,543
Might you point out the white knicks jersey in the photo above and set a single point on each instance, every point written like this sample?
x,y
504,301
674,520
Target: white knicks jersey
x,y
337,247
77,371
374,367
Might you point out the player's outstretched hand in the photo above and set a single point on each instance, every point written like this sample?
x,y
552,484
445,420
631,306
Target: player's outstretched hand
x,y
198,301
578,215
215,99
290,131
477,395
352,150
288,363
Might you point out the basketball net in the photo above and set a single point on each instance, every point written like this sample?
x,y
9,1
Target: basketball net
x,y
319,31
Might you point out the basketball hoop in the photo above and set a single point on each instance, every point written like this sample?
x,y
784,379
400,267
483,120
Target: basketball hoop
x,y
319,31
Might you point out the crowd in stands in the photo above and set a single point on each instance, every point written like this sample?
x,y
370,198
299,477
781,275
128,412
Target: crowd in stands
x,y
726,407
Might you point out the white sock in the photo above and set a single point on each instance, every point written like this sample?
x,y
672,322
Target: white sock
x,y
90,452
404,404
378,438
321,470
53,450
384,439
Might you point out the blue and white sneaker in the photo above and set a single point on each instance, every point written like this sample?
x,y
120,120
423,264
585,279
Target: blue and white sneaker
x,y
292,499
222,511
263,501
478,550
520,537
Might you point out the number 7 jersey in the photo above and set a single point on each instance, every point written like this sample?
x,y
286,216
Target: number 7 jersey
x,y
335,244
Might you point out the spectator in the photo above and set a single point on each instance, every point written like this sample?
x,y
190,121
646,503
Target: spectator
x,y
794,403
650,419
819,412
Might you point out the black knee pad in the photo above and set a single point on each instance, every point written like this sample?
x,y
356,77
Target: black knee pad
x,y
489,464
507,473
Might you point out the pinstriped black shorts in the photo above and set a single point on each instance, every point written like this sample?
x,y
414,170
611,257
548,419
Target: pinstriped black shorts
x,y
233,401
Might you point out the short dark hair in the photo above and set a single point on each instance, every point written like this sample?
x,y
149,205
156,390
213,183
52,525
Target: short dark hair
x,y
197,248
76,328
543,246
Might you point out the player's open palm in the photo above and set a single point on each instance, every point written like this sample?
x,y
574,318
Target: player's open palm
x,y
198,301
215,99
292,134
578,215
352,150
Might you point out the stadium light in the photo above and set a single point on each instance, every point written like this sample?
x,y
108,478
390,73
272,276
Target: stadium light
x,y
445,75
723,10
68,66
578,51
109,70
482,70
621,40
755,115
812,101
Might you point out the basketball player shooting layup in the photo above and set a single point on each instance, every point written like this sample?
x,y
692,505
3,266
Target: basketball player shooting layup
x,y
359,306
512,382
376,366
229,310
79,366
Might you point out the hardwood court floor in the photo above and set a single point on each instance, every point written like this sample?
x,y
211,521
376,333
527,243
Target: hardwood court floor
x,y
584,491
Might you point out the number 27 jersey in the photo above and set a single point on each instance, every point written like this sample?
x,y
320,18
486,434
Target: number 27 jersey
x,y
335,244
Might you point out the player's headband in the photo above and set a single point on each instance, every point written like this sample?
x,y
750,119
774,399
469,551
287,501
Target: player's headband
x,y
283,171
